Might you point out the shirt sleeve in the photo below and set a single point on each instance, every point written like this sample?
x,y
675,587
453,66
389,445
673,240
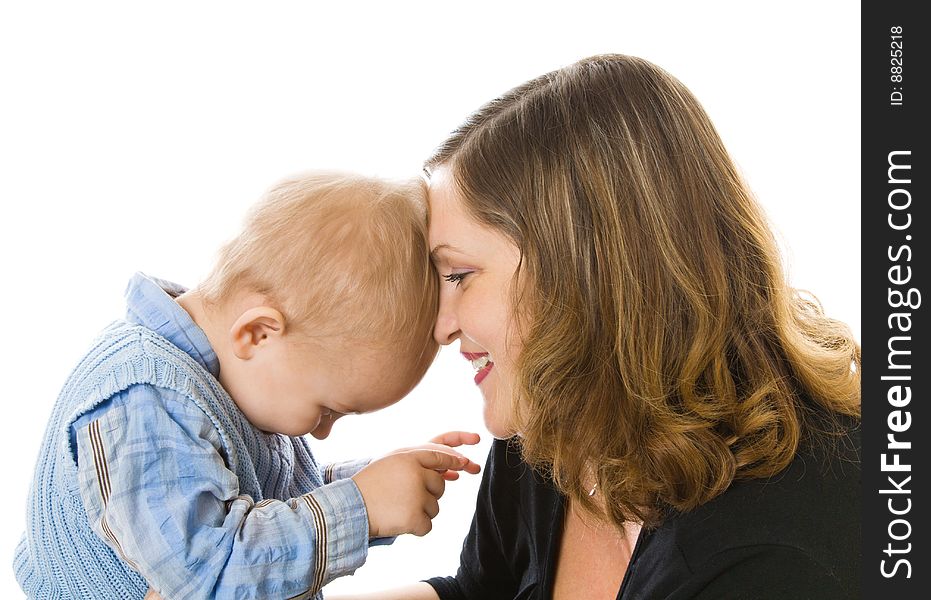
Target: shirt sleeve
x,y
484,564
343,470
157,490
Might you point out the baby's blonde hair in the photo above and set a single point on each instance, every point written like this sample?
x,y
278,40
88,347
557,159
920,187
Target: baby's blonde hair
x,y
340,255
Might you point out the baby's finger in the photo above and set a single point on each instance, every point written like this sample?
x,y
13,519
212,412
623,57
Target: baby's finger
x,y
457,438
440,461
471,467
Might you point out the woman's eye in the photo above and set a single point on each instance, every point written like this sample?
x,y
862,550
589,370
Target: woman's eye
x,y
456,277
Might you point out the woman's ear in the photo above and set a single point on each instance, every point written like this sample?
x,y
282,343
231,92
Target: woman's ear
x,y
255,327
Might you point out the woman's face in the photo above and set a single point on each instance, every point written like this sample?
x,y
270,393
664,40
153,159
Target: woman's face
x,y
476,266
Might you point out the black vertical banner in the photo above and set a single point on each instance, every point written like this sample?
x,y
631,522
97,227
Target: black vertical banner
x,y
896,271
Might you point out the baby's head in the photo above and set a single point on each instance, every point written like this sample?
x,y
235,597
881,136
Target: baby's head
x,y
324,304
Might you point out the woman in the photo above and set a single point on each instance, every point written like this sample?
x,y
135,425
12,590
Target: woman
x,y
683,424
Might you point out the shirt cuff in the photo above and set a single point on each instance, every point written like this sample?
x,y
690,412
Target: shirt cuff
x,y
343,470
342,527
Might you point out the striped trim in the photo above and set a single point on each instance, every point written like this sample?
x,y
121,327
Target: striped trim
x,y
100,460
320,558
266,502
103,481
116,543
328,473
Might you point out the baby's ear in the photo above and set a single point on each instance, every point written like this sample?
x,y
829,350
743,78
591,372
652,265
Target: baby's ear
x,y
254,327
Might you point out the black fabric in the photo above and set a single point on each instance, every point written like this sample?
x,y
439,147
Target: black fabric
x,y
795,535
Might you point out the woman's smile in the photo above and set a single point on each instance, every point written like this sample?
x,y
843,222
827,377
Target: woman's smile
x,y
481,362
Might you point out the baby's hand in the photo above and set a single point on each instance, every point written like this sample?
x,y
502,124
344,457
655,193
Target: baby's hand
x,y
401,490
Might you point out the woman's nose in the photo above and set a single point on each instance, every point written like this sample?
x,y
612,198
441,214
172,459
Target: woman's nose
x,y
446,329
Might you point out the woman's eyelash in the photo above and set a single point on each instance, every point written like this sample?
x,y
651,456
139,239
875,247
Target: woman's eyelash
x,y
455,277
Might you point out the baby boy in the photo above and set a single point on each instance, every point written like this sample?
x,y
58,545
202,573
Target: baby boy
x,y
174,457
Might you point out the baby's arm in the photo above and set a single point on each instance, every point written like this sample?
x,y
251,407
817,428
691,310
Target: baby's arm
x,y
157,489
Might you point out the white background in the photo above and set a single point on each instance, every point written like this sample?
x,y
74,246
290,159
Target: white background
x,y
134,139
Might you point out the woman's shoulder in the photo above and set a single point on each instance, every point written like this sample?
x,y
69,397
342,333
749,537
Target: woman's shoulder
x,y
810,510
815,495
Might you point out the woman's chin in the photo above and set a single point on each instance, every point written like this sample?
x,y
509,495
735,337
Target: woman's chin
x,y
498,426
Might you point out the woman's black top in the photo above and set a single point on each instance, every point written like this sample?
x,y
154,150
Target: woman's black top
x,y
793,536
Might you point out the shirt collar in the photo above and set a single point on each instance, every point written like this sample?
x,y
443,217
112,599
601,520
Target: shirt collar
x,y
150,302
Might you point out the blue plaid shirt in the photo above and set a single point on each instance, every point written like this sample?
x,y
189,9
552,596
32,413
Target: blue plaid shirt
x,y
158,491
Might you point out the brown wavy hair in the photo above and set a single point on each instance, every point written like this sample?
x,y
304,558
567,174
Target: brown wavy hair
x,y
663,351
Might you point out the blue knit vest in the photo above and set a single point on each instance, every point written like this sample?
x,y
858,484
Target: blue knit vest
x,y
59,555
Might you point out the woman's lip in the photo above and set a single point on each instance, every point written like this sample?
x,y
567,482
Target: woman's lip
x,y
483,372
